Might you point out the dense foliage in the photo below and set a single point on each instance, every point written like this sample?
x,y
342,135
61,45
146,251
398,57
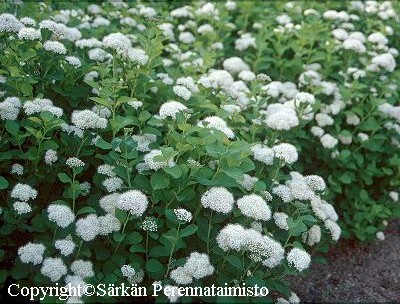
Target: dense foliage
x,y
190,145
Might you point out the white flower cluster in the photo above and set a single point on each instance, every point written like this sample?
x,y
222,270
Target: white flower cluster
x,y
31,253
218,199
87,119
183,215
39,105
133,201
171,108
23,192
153,164
254,206
9,108
260,248
62,215
197,266
217,123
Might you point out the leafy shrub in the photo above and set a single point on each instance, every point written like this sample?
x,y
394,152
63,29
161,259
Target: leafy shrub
x,y
146,143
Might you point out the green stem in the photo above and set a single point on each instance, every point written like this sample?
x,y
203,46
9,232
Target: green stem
x,y
172,251
122,232
73,193
147,246
54,234
209,232
79,250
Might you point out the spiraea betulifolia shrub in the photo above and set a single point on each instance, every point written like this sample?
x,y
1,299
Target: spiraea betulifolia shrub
x,y
148,142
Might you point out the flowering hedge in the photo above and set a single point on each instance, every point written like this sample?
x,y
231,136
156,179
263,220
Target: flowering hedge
x,y
190,145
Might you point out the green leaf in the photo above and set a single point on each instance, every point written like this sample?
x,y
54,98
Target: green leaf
x,y
175,171
159,181
118,236
102,144
133,238
64,178
189,230
155,266
144,115
12,127
86,210
3,183
235,261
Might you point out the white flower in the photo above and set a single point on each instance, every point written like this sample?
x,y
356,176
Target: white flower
x,y
9,23
317,131
117,41
143,141
324,120
128,271
180,276
87,119
245,41
74,162
217,123
183,215
99,54
298,259
9,108
29,33
108,202
247,75
66,246
108,224
55,47
40,105
182,92
232,236
283,192
22,207
133,201
394,195
106,169
248,182
81,268
263,154
88,227
315,182
198,265
385,61
280,117
31,253
156,165
235,65
218,199
113,184
313,235
138,56
328,141
354,45
60,214
186,37
149,224
380,236
17,169
304,98
50,157
286,152
53,268
280,220
23,192
74,61
333,228
255,207
171,108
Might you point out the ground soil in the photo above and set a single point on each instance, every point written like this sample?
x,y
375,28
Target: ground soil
x,y
356,273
